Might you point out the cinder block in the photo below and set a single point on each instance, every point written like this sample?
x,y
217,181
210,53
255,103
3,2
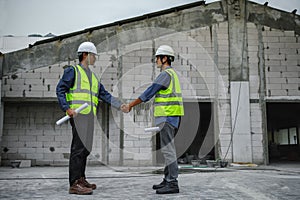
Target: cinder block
x,y
274,86
25,163
271,39
287,39
273,74
278,93
276,45
289,33
275,33
288,51
294,93
292,45
33,93
142,156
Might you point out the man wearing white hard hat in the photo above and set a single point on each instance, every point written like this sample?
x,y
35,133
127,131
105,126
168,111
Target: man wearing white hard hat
x,y
77,86
168,109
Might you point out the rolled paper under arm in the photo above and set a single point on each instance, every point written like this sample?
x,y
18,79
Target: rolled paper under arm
x,y
152,129
65,118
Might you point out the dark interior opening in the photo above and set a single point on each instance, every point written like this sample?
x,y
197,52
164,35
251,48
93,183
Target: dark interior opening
x,y
283,122
196,127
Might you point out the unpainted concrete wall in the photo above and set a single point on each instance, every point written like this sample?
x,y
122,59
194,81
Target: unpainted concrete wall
x,y
199,36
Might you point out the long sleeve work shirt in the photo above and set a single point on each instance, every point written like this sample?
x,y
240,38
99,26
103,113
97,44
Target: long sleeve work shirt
x,y
161,82
67,82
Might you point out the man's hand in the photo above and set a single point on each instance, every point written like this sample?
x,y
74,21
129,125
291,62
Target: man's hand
x,y
125,108
71,112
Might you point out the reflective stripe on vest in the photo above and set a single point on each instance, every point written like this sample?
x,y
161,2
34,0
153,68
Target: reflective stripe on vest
x,y
168,102
83,92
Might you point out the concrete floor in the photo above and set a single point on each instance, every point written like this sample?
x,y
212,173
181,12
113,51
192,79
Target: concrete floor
x,y
276,181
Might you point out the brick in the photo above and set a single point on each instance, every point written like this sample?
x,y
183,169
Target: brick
x,y
142,156
288,51
33,144
33,93
27,138
294,93
287,39
38,156
276,45
291,68
52,144
61,150
289,33
27,150
10,138
45,138
292,45
274,86
18,81
276,68
270,39
13,94
25,163
128,143
273,74
273,51
272,62
277,57
290,86
275,33
293,57
278,93
290,74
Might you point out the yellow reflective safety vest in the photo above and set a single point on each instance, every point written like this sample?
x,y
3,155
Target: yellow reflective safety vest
x,y
83,91
168,102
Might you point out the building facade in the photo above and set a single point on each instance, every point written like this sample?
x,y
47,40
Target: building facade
x,y
239,67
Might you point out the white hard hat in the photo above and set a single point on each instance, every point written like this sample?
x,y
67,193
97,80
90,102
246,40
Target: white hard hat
x,y
87,47
165,50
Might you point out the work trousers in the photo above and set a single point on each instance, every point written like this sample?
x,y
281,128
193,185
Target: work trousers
x,y
168,150
78,156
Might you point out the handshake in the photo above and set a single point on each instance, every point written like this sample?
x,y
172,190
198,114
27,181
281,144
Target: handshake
x,y
126,108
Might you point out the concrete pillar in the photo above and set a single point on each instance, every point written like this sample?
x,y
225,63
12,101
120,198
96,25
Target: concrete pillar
x,y
239,81
240,121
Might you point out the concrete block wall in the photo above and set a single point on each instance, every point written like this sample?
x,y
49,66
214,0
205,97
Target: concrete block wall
x,y
29,129
197,51
223,128
38,83
282,62
29,133
257,133
137,143
202,62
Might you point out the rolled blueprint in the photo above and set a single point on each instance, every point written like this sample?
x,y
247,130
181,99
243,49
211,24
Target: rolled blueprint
x,y
152,129
65,118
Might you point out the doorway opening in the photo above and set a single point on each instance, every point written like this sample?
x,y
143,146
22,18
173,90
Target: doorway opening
x,y
283,121
195,137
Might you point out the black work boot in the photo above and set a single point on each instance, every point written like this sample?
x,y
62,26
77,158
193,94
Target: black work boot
x,y
162,184
169,188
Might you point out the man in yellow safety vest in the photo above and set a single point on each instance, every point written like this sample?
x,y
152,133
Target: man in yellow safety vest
x,y
77,86
168,109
